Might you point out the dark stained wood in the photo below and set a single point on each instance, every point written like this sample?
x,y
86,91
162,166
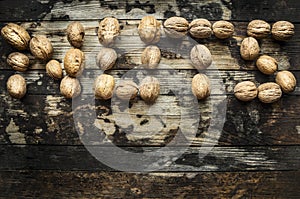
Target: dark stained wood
x,y
82,184
249,158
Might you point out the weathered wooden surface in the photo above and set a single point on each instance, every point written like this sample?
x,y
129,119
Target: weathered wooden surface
x,y
41,143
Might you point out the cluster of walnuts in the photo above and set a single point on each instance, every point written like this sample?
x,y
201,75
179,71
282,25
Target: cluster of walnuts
x,y
250,51
149,30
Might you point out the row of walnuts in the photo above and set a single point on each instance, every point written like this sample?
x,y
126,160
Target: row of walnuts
x,y
150,33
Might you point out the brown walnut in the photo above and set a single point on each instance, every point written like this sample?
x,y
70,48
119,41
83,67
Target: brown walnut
x,y
258,29
109,29
149,30
249,49
70,87
266,64
286,80
176,27
41,47
126,90
269,92
151,57
54,69
75,34
245,91
223,29
200,28
201,86
104,86
283,30
18,61
16,86
149,89
74,62
106,58
201,57
16,36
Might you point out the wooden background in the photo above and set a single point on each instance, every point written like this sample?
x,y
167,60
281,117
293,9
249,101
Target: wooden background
x,y
258,153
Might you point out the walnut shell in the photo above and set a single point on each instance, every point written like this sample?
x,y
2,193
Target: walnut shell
x,y
249,48
75,34
176,27
16,86
109,29
151,57
258,29
149,89
41,47
126,90
286,80
283,30
201,86
106,58
269,92
223,29
54,69
70,87
104,86
266,64
200,28
200,57
149,30
18,61
16,36
74,62
245,91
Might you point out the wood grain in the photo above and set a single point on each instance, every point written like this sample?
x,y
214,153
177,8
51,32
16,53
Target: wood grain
x,y
82,184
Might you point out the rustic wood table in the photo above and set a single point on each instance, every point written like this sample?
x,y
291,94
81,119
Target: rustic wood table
x,y
257,153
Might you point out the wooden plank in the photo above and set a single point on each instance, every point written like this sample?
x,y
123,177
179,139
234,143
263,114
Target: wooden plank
x,y
39,119
76,158
94,9
129,47
58,184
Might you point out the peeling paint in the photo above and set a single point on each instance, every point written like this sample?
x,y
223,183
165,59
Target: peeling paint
x,y
14,135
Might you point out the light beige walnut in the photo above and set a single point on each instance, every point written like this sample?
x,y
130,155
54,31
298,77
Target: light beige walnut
x,y
201,86
74,62
258,29
70,87
109,29
200,28
104,86
269,92
245,91
223,29
267,65
16,86
286,80
106,58
126,90
201,57
41,47
249,49
18,61
54,69
149,89
149,30
75,34
283,30
151,57
176,27
16,36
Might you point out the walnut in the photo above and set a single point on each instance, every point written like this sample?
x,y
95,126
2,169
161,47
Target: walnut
x,y
223,29
106,58
75,34
74,62
18,61
258,29
16,36
151,57
126,90
283,30
176,27
249,48
109,29
16,86
149,30
149,89
200,57
269,92
41,47
266,64
54,69
200,28
70,87
245,91
286,80
201,86
104,86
